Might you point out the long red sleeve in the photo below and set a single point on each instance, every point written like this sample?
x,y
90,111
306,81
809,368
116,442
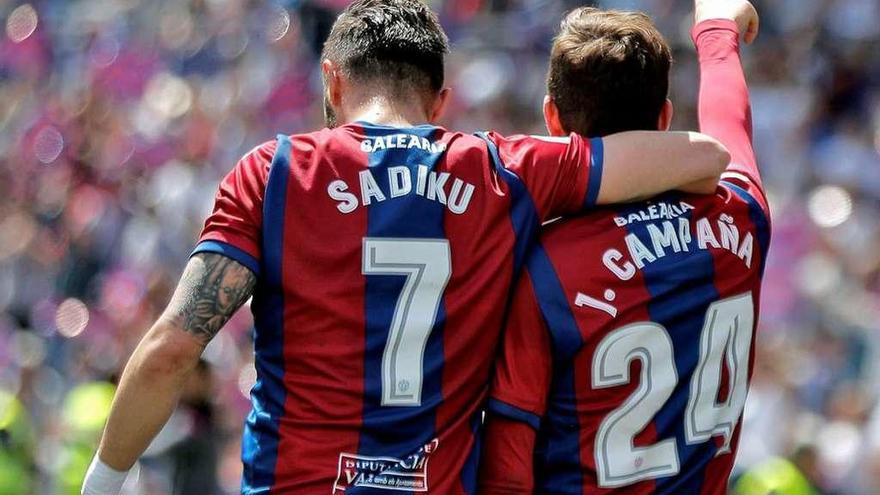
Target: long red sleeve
x,y
724,109
520,388
506,467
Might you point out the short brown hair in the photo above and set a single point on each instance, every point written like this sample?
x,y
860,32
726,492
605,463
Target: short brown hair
x,y
398,43
609,72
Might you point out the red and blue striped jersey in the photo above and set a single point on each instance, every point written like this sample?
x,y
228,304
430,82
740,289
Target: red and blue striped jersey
x,y
629,347
385,258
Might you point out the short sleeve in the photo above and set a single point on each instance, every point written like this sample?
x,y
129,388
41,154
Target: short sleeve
x,y
233,228
524,368
562,174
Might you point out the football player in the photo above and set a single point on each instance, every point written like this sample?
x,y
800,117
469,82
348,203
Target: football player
x,y
627,356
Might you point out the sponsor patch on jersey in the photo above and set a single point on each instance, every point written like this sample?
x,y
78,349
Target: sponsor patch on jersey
x,y
385,473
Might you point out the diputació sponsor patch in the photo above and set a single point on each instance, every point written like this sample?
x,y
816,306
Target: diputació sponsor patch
x,y
387,473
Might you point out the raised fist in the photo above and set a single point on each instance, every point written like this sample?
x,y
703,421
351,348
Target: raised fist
x,y
742,12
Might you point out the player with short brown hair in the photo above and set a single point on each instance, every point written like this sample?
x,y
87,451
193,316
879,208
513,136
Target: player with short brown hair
x,y
628,351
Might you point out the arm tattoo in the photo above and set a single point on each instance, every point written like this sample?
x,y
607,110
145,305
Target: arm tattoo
x,y
211,289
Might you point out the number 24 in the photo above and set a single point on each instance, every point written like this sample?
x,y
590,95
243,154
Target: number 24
x,y
726,338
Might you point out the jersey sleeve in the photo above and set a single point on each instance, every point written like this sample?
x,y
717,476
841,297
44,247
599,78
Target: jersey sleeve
x,y
724,109
518,398
523,369
233,228
561,174
507,466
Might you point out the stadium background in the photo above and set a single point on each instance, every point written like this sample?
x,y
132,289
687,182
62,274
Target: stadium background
x,y
118,118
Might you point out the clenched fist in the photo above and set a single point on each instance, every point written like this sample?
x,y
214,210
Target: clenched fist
x,y
742,12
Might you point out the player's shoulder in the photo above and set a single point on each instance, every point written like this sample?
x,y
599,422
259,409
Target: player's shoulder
x,y
297,147
731,195
533,139
466,141
745,189
257,160
576,245
587,227
462,149
307,142
262,152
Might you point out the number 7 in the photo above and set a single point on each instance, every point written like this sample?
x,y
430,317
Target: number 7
x,y
427,266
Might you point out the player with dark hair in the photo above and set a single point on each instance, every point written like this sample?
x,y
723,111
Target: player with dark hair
x,y
380,253
628,351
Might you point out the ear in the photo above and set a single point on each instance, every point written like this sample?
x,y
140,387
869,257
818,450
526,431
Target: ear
x,y
438,107
551,118
666,113
332,83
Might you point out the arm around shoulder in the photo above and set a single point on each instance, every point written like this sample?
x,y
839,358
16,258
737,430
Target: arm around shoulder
x,y
641,164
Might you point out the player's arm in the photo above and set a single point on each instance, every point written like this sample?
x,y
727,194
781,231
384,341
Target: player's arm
x,y
211,289
507,466
518,399
724,109
218,279
642,164
571,174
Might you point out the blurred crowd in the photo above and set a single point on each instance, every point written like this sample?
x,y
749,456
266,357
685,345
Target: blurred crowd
x,y
119,117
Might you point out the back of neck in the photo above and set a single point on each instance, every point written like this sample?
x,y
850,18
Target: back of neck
x,y
381,111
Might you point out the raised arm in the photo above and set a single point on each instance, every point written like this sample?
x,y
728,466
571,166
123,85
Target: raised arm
x,y
211,289
724,109
640,164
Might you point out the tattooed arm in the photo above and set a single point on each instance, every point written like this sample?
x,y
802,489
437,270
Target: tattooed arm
x,y
211,289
